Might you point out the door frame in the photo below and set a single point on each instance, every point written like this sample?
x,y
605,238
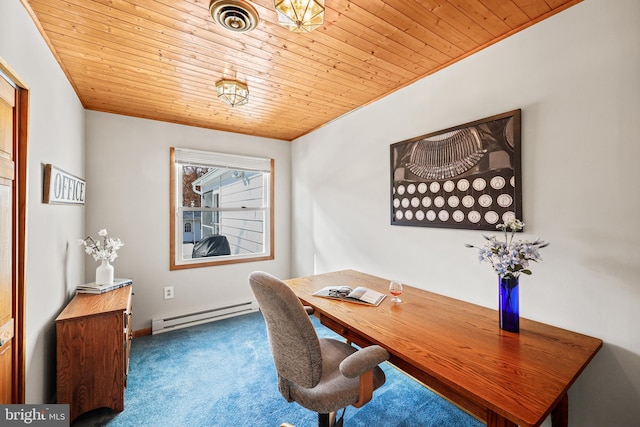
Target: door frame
x,y
21,123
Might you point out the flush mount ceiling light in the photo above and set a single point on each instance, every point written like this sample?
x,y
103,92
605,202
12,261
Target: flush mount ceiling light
x,y
234,15
232,92
300,15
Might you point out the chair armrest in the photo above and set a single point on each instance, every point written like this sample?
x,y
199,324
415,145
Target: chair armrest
x,y
360,364
310,310
363,360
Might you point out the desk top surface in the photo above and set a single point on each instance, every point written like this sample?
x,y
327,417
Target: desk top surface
x,y
83,305
519,375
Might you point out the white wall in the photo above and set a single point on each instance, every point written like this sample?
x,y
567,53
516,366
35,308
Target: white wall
x,y
54,266
128,194
576,78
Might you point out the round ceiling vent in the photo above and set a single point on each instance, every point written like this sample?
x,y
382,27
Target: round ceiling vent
x,y
234,15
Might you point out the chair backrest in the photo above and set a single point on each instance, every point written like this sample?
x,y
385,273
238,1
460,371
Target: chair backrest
x,y
293,340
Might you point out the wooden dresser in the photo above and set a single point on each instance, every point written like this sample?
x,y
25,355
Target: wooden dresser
x,y
93,342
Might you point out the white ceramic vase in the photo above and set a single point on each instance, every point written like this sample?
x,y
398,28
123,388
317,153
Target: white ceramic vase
x,y
104,273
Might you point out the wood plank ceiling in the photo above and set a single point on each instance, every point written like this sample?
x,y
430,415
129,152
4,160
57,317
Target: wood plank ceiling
x,y
160,59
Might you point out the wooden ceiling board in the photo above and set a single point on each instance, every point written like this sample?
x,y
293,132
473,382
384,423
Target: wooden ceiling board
x,y
389,23
142,68
160,59
508,12
533,8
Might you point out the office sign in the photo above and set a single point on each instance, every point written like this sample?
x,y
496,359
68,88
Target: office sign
x,y
61,187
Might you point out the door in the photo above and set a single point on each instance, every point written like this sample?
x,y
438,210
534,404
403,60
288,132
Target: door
x,y
8,366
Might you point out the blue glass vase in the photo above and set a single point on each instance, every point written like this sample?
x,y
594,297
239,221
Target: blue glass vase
x,y
509,304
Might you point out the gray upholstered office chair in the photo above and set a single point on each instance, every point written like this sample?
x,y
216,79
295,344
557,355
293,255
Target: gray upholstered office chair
x,y
321,374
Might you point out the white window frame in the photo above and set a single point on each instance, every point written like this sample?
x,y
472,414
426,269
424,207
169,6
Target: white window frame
x,y
180,157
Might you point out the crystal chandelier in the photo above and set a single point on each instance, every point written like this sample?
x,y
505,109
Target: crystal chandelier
x,y
300,15
232,92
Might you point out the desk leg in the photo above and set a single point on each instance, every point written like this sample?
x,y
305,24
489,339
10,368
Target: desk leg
x,y
560,414
495,420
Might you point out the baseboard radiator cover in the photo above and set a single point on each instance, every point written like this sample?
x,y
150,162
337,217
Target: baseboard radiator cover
x,y
172,323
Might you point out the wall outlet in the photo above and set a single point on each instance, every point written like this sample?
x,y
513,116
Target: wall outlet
x,y
168,292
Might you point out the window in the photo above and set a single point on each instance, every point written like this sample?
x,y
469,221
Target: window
x,y
221,208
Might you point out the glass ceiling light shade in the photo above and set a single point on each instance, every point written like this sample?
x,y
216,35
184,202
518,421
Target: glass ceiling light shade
x,y
232,92
300,15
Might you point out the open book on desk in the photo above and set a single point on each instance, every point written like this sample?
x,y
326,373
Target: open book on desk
x,y
360,295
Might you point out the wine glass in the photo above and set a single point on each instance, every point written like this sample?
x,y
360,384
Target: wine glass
x,y
395,288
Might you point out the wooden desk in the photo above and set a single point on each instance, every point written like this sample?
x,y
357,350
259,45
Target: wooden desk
x,y
458,350
93,344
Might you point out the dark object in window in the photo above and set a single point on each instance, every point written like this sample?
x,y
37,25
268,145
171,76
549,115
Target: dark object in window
x,y
211,246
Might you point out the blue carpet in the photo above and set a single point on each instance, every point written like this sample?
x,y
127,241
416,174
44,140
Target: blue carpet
x,y
222,374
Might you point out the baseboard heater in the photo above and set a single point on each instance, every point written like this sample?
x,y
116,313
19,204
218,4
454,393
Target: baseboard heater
x,y
185,320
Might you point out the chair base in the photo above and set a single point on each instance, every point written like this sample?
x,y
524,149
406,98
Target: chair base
x,y
324,420
330,420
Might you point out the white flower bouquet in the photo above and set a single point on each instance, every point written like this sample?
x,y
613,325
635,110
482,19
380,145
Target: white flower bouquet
x,y
107,249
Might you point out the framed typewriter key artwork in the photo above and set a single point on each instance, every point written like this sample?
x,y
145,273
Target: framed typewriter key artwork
x,y
466,176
